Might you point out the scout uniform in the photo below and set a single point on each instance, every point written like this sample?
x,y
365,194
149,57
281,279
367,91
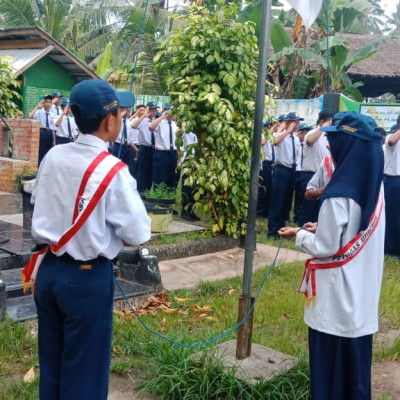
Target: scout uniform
x,y
323,175
265,181
46,120
283,179
94,208
314,153
165,157
146,151
122,148
66,129
56,106
342,281
301,178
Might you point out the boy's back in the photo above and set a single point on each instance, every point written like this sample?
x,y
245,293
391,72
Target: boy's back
x,y
86,207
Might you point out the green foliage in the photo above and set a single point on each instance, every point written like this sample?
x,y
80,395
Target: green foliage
x,y
183,375
211,79
18,353
297,79
160,192
104,61
9,86
167,239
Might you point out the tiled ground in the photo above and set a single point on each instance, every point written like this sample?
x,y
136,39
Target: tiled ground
x,y
14,237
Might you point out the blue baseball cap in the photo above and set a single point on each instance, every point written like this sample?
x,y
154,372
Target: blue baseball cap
x,y
393,128
293,116
151,104
167,106
57,94
282,117
353,123
126,99
65,102
304,127
96,97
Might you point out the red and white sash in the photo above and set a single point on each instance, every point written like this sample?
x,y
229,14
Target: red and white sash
x,y
94,183
341,258
328,166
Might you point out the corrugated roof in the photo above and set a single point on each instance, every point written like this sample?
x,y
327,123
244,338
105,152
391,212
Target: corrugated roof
x,y
22,59
42,45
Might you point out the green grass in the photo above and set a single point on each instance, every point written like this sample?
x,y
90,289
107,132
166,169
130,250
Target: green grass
x,y
18,353
164,239
171,372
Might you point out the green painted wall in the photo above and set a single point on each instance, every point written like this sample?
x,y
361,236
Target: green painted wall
x,y
44,77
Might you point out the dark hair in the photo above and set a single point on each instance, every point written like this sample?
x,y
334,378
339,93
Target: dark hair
x,y
140,106
324,115
87,125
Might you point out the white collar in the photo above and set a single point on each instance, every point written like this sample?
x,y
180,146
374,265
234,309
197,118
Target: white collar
x,y
91,140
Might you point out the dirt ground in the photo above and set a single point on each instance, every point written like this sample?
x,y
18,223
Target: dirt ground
x,y
122,387
386,380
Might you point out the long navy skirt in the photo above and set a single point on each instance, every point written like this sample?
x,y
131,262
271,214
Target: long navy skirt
x,y
340,367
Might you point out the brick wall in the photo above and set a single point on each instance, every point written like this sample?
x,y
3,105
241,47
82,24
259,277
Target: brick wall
x,y
24,153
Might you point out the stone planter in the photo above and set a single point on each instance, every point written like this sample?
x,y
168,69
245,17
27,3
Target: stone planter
x,y
160,215
27,207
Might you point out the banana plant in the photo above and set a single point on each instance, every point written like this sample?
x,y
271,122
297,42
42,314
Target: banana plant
x,y
325,57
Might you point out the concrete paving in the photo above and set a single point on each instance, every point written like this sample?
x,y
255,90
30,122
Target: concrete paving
x,y
189,272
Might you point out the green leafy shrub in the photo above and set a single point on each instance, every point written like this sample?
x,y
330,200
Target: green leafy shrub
x,y
212,66
8,89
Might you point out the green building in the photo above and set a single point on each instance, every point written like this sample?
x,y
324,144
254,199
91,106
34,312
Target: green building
x,y
41,64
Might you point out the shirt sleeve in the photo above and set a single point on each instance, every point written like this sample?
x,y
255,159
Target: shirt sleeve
x,y
338,223
126,211
317,180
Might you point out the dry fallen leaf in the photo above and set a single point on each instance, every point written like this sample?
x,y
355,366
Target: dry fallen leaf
x,y
230,255
232,291
171,310
117,349
211,318
29,376
199,309
164,324
182,300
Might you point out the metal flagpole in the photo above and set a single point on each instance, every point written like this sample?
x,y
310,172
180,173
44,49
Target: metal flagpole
x,y
244,335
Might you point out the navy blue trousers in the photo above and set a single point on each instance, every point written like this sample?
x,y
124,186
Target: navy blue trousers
x,y
164,167
264,189
392,200
282,196
310,208
298,196
145,168
45,143
340,367
63,140
74,303
126,154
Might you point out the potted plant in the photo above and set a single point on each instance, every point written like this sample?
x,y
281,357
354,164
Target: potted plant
x,y
159,201
160,194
